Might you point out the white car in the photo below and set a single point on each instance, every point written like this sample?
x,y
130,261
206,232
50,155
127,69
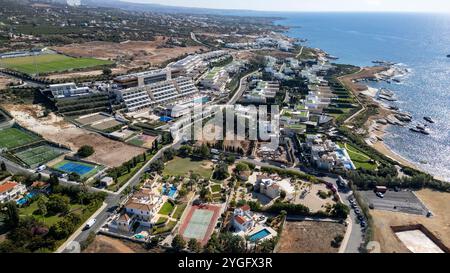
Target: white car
x,y
379,194
90,223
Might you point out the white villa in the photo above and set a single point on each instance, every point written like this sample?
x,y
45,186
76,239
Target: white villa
x,y
10,191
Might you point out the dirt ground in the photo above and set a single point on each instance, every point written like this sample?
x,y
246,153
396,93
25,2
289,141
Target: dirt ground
x,y
105,244
309,237
308,196
4,81
53,128
365,73
84,73
135,53
439,224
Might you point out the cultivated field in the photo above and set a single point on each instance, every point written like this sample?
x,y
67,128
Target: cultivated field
x,y
39,155
438,224
13,137
53,128
48,63
132,53
309,237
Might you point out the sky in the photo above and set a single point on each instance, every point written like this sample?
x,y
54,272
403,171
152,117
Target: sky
x,y
314,5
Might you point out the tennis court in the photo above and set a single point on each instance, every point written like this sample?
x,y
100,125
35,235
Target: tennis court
x,y
80,168
39,155
200,222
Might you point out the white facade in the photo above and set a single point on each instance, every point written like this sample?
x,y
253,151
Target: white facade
x,y
10,191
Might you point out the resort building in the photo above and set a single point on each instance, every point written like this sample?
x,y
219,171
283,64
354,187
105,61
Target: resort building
x,y
145,78
191,66
157,93
65,90
11,190
216,79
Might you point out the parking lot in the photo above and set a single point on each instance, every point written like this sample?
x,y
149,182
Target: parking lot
x,y
402,201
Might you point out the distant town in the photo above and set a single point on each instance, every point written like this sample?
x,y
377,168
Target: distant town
x,y
97,114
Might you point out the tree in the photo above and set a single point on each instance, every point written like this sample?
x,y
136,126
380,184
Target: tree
x,y
3,166
12,214
58,204
178,243
107,71
230,159
202,151
194,245
157,166
282,194
53,180
242,167
340,210
42,206
85,151
169,154
221,171
185,151
74,177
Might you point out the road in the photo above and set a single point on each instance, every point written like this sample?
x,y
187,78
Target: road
x,y
242,86
356,237
113,200
27,82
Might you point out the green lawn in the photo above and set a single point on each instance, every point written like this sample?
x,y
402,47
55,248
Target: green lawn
x,y
183,166
359,158
179,211
216,188
13,137
161,220
166,228
166,209
48,220
50,63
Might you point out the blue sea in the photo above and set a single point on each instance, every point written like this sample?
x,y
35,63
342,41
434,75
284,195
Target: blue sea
x,y
420,42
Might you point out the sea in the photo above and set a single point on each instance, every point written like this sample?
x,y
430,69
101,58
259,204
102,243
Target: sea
x,y
416,41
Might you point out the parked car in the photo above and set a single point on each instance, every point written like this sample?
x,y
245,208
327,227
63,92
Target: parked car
x,y
357,211
90,223
379,194
363,224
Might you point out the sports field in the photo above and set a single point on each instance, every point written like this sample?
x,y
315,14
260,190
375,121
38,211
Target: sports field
x,y
13,137
39,155
200,222
49,63
84,170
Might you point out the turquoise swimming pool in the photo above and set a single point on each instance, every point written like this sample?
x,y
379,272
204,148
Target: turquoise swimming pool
x,y
259,235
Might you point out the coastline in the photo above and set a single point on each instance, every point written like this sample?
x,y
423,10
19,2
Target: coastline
x,y
376,131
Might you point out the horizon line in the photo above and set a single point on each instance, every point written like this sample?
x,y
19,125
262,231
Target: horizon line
x,y
290,11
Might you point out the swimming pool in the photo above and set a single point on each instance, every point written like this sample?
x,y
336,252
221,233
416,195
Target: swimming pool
x,y
24,200
172,191
259,235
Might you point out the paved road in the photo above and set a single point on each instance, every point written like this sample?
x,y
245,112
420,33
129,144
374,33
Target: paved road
x,y
26,82
356,236
242,86
114,200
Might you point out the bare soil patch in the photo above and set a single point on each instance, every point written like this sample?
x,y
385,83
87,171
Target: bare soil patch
x,y
53,128
133,53
309,237
105,244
